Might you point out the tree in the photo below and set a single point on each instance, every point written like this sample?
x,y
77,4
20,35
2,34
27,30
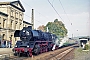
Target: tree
x,y
57,27
41,28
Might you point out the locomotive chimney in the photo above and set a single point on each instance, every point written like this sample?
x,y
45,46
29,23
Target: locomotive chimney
x,y
32,18
30,27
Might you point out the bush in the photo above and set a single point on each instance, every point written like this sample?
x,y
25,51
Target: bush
x,y
86,47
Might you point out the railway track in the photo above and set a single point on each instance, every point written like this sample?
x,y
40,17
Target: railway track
x,y
61,55
17,58
52,55
57,55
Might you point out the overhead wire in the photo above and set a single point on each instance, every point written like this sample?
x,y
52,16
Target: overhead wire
x,y
52,2
55,10
64,11
35,19
35,10
66,15
29,16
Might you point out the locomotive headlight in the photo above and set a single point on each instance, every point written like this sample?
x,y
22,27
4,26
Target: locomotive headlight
x,y
27,46
27,32
23,30
16,46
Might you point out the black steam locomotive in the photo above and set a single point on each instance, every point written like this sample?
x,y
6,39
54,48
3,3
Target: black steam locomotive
x,y
34,42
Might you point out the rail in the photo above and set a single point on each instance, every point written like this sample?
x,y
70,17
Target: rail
x,y
58,54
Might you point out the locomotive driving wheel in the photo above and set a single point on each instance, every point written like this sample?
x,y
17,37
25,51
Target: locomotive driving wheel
x,y
28,54
36,49
49,47
19,54
15,53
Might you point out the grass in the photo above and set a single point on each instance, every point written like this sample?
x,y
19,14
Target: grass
x,y
80,54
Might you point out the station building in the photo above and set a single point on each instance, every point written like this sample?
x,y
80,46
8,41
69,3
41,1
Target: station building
x,y
84,41
11,19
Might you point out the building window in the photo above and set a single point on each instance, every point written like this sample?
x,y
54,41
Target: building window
x,y
0,21
25,25
3,36
4,23
12,12
11,24
20,16
16,25
11,37
20,25
0,24
16,15
15,39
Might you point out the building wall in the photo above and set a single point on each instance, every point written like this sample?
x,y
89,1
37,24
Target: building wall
x,y
3,21
16,18
3,8
13,22
3,24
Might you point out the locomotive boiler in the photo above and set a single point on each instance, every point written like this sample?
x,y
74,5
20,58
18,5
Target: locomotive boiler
x,y
33,42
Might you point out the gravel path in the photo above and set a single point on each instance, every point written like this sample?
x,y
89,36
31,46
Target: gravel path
x,y
81,55
5,51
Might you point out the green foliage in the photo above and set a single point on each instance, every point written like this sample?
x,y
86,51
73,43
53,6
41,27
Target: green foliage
x,y
57,27
86,47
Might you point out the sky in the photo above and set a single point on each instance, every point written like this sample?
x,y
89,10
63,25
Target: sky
x,y
75,14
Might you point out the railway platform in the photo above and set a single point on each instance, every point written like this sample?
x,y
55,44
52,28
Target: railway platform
x,y
4,52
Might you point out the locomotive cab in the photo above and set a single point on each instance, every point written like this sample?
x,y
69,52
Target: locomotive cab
x,y
16,33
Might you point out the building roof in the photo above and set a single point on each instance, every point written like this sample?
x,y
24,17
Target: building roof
x,y
27,23
1,13
14,4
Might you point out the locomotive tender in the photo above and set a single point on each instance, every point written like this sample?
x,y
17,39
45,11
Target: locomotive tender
x,y
34,42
